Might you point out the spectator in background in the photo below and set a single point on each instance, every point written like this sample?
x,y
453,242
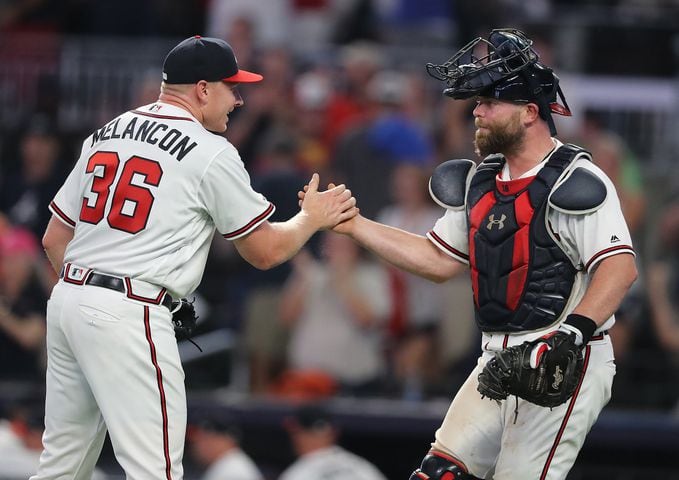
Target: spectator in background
x,y
614,157
348,106
336,308
23,298
312,94
269,23
25,193
265,338
21,440
417,304
270,105
663,292
366,155
314,438
214,442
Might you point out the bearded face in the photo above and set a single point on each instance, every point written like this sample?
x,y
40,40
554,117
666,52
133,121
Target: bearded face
x,y
500,136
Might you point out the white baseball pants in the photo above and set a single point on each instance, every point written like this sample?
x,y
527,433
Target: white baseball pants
x,y
113,365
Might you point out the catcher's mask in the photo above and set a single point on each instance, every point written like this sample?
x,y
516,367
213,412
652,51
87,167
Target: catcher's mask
x,y
507,69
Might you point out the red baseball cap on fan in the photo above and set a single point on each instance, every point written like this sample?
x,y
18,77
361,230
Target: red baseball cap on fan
x,y
204,58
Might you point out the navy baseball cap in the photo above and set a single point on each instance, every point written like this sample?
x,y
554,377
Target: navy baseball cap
x,y
204,58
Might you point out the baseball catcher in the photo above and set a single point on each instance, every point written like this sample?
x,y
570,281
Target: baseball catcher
x,y
540,229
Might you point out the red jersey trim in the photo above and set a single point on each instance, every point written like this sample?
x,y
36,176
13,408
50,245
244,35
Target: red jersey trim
x,y
134,296
606,251
165,117
569,411
161,391
447,247
60,213
252,223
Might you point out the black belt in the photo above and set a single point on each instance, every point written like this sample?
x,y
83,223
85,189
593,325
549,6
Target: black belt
x,y
116,283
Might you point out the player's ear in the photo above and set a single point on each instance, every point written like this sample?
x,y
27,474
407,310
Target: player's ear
x,y
532,112
202,89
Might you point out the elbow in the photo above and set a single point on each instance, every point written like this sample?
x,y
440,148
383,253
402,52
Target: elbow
x,y
266,261
48,243
632,275
437,278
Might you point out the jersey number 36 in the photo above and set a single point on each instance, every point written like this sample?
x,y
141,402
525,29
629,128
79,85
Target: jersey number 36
x,y
131,203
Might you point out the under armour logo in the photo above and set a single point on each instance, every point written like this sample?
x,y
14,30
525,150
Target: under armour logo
x,y
558,378
614,239
492,221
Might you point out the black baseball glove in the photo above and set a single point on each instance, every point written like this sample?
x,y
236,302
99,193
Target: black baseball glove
x,y
545,371
184,318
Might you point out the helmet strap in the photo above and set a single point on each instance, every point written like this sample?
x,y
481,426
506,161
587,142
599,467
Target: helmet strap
x,y
539,94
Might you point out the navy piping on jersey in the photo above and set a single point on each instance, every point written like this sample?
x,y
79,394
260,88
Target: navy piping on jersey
x,y
569,411
161,390
608,250
165,117
251,223
452,250
61,214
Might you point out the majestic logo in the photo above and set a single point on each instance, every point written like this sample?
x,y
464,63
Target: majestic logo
x,y
155,108
614,239
500,223
558,378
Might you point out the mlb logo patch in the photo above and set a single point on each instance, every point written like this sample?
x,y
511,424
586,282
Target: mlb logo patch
x,y
76,274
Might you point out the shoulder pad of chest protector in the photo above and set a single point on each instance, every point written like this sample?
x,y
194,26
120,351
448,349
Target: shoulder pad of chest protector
x,y
448,184
582,192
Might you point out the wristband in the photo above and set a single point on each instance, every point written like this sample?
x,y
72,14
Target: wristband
x,y
583,327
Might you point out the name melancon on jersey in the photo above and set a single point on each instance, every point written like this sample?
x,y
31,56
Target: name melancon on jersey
x,y
152,132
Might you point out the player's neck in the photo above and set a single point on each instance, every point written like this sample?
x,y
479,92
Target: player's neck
x,y
531,154
181,102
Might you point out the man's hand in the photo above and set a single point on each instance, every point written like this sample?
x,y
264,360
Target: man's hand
x,y
346,217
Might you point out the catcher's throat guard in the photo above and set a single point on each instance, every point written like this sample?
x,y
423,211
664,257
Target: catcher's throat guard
x,y
506,67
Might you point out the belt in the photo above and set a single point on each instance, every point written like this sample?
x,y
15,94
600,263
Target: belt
x,y
118,284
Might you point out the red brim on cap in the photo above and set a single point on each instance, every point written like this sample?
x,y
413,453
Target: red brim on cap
x,y
243,76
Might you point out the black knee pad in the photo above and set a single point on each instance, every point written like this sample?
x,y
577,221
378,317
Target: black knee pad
x,y
439,466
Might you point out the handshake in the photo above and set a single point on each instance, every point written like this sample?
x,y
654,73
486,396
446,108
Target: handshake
x,y
331,209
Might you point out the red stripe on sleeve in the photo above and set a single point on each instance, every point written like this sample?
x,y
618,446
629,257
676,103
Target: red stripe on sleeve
x,y
627,248
259,218
60,213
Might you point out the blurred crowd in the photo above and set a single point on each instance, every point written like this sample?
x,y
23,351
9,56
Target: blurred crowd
x,y
333,321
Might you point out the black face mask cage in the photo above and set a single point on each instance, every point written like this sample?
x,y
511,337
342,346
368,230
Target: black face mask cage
x,y
507,52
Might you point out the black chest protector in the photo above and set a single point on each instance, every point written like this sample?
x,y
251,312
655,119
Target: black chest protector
x,y
521,278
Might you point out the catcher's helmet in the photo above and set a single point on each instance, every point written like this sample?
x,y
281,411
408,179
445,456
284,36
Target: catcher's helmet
x,y
508,69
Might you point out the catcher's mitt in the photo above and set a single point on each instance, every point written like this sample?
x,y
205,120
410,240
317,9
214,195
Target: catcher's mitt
x,y
183,318
545,371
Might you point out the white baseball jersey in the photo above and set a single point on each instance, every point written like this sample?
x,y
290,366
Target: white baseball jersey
x,y
332,462
144,198
586,239
146,195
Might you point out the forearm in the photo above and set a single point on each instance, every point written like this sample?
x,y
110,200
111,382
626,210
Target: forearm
x,y
28,332
610,283
292,299
274,243
355,301
405,250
